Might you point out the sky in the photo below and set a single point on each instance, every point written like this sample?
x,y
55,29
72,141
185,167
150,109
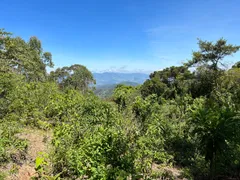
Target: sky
x,y
123,35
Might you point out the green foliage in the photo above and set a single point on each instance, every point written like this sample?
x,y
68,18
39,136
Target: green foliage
x,y
153,86
40,163
183,118
42,167
2,176
204,82
95,144
8,83
104,92
76,76
215,127
236,65
9,144
25,58
167,83
29,100
121,94
212,53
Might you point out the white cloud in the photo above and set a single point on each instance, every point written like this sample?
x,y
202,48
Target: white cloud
x,y
123,69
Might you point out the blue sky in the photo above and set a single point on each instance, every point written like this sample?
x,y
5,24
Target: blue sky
x,y
122,35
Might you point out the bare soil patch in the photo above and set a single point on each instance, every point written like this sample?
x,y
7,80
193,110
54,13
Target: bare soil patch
x,y
24,168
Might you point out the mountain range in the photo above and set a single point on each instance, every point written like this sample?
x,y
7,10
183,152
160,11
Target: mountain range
x,y
111,78
107,81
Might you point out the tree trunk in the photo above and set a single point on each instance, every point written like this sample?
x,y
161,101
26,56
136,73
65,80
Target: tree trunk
x,y
212,166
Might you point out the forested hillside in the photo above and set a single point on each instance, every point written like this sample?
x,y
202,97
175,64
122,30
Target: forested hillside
x,y
106,91
183,122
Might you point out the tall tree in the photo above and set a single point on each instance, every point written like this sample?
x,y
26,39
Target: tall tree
x,y
75,76
26,58
212,53
168,82
209,62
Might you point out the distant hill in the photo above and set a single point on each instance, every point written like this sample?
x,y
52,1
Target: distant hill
x,y
111,78
105,91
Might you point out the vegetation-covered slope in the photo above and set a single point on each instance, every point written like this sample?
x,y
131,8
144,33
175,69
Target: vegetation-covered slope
x,y
106,91
187,120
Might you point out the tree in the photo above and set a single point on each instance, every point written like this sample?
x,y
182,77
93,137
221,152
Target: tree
x,y
204,82
208,60
237,65
75,76
45,57
212,53
168,82
25,58
153,86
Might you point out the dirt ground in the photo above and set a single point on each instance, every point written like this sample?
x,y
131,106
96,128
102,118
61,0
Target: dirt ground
x,y
24,168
